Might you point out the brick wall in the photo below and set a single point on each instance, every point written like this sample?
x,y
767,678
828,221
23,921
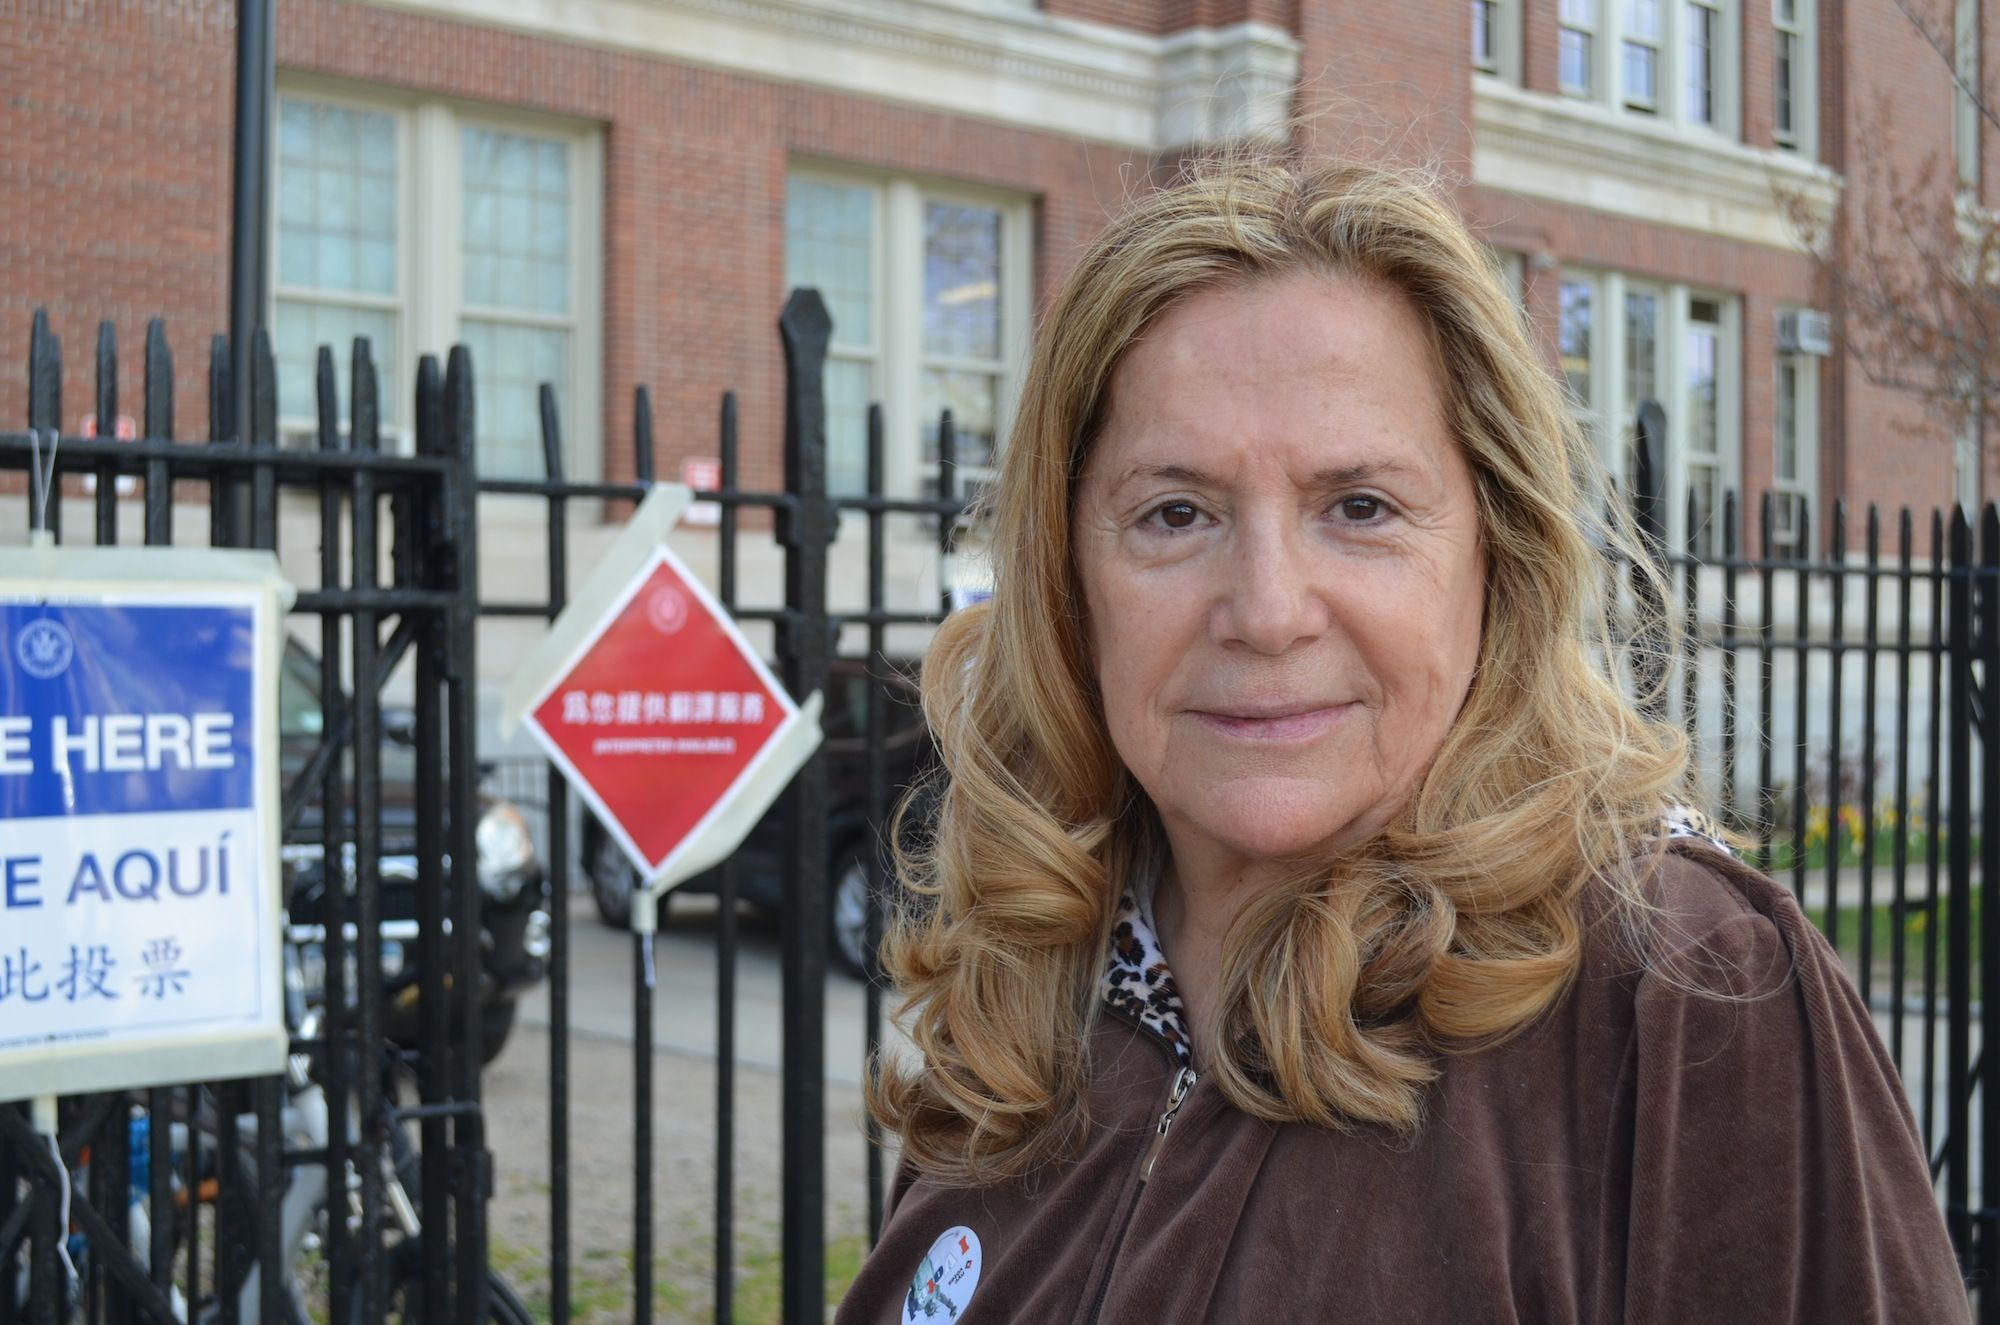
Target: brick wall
x,y
120,150
694,191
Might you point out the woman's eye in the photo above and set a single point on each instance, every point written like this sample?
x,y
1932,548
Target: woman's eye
x,y
1361,510
1178,514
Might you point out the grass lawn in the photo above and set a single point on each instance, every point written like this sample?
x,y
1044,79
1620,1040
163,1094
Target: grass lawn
x,y
601,1282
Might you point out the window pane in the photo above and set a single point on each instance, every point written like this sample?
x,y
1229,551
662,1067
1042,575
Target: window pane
x,y
1482,33
515,221
1700,63
302,327
1639,74
961,281
1642,357
849,391
336,198
971,398
830,244
1574,60
1703,413
1705,537
509,365
1785,452
1575,340
1786,56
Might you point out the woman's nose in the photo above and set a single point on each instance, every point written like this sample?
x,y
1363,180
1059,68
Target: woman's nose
x,y
1271,600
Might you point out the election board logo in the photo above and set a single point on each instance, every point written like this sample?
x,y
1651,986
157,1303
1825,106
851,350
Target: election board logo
x,y
667,609
945,1278
658,734
44,648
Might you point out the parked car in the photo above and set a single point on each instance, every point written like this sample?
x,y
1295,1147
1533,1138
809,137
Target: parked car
x,y
514,917
760,862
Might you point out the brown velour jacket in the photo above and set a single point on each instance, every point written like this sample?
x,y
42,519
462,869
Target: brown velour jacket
x,y
1642,1153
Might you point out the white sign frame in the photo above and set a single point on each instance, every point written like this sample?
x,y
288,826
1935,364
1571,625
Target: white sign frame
x,y
167,577
633,556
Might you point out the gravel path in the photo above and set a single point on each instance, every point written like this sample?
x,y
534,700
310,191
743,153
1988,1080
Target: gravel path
x,y
601,1172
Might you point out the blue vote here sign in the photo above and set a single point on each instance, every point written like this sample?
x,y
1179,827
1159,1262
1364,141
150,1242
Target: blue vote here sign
x,y
139,921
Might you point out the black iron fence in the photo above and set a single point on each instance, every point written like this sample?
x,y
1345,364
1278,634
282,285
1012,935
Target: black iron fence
x,y
200,1200
1838,707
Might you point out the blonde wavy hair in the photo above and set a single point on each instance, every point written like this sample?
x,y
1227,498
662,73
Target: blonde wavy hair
x,y
1459,923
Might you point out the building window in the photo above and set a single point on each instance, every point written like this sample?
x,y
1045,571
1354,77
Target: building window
x,y
518,314
1965,92
1701,405
1965,463
1673,60
1704,34
1789,65
338,270
490,243
1576,36
1574,343
927,285
1794,452
1641,64
1665,343
1496,38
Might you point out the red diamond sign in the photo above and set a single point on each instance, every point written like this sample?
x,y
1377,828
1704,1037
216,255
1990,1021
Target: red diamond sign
x,y
661,713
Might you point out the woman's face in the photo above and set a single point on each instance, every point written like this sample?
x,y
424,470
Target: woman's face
x,y
1278,542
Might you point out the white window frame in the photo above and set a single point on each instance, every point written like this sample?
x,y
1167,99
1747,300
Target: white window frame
x,y
898,356
1801,488
1803,28
1654,44
1965,115
1610,431
1965,458
1593,30
1671,102
430,306
1505,16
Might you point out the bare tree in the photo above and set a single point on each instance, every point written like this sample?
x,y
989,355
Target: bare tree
x,y
1906,262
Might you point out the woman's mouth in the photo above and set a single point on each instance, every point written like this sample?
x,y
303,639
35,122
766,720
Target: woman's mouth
x,y
1277,724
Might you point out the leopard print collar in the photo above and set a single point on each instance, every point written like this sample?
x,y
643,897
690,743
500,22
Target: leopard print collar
x,y
1139,986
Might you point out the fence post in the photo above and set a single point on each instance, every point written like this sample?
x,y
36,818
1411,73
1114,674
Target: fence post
x,y
1649,512
1958,903
805,528
1987,589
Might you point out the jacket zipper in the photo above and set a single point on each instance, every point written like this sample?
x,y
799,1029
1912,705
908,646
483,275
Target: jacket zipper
x,y
1184,1081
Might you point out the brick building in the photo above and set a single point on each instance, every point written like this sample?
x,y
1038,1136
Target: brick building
x,y
600,193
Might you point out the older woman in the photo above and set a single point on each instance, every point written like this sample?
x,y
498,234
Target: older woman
x,y
1313,932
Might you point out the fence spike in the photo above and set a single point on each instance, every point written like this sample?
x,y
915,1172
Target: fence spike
x,y
1764,512
728,447
642,435
263,391
159,422
44,374
326,395
365,398
107,380
459,404
106,406
1838,534
947,455
552,435
1729,525
430,407
221,400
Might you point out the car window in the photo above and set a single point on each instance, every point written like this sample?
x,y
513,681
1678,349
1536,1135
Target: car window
x,y
299,711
